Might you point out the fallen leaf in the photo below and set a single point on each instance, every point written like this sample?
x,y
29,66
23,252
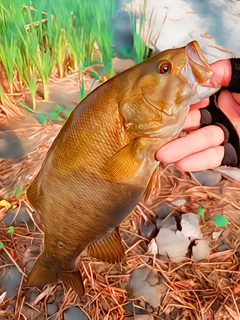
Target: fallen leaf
x,y
232,313
5,203
10,230
42,118
201,211
206,36
219,220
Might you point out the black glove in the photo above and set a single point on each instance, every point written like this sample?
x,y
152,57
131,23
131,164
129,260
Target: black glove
x,y
213,115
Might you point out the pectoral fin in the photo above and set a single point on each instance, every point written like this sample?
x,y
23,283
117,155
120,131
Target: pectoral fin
x,y
126,162
41,276
108,249
74,280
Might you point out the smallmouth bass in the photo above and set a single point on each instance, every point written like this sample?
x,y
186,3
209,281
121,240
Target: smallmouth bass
x,y
100,164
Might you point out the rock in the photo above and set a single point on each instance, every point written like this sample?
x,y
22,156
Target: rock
x,y
143,283
10,281
190,226
52,308
148,231
162,210
201,250
22,216
74,313
169,223
207,177
31,294
172,244
7,220
10,145
222,247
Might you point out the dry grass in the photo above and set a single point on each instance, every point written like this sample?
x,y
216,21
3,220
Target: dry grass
x,y
203,290
206,290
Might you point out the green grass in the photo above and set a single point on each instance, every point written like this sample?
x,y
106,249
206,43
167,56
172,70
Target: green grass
x,y
42,37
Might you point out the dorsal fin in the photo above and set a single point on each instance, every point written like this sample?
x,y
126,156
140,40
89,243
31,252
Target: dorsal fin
x,y
108,249
33,193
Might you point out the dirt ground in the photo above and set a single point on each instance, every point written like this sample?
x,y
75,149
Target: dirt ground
x,y
197,290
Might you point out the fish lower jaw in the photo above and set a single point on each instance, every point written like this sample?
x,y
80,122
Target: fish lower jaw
x,y
203,92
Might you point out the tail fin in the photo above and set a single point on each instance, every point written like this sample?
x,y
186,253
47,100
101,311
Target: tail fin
x,y
74,280
41,276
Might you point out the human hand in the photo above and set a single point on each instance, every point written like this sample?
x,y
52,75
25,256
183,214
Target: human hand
x,y
201,149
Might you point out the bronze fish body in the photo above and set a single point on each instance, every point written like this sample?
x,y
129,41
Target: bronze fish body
x,y
101,162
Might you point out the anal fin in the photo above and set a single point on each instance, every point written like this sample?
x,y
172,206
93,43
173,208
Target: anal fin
x,y
74,280
153,184
108,249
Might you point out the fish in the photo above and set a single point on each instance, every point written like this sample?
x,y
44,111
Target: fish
x,y
102,162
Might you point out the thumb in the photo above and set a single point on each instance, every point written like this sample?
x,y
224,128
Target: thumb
x,y
222,71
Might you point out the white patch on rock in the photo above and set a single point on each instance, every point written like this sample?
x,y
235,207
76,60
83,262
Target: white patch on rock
x,y
178,202
233,173
2,296
172,244
201,250
190,226
152,247
216,235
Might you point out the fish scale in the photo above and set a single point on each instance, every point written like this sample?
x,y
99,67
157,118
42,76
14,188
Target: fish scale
x,y
102,161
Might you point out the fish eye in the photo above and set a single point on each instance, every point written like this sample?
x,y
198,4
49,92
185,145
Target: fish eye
x,y
164,67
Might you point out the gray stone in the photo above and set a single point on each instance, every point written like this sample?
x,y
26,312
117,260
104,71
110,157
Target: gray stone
x,y
208,177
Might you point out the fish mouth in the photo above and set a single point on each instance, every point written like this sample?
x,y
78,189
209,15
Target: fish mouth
x,y
198,73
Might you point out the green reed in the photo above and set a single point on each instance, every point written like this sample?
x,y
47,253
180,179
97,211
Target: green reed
x,y
40,39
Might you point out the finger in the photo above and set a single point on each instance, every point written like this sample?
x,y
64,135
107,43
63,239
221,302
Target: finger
x,y
222,71
192,121
193,118
207,159
230,107
236,97
196,141
201,104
